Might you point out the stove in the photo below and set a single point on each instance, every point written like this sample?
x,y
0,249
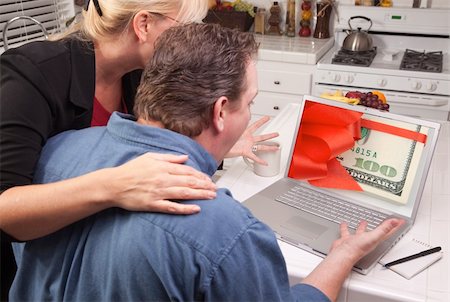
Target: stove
x,y
409,65
422,61
354,58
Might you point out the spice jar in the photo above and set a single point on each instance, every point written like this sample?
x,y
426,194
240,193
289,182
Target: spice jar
x,y
274,19
305,20
260,21
322,30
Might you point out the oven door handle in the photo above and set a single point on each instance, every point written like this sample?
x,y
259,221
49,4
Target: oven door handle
x,y
417,101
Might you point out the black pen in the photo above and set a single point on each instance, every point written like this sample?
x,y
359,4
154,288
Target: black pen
x,y
421,254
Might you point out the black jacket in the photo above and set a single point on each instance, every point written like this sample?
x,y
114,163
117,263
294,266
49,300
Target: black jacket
x,y
46,88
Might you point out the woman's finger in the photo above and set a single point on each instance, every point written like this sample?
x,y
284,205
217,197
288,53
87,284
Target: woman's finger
x,y
171,207
172,158
185,193
172,164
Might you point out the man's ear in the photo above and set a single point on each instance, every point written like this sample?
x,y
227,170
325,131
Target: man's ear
x,y
141,25
220,113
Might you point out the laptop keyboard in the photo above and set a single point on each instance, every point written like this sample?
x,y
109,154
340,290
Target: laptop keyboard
x,y
331,208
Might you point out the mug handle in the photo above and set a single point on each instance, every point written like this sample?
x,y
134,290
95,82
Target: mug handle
x,y
249,163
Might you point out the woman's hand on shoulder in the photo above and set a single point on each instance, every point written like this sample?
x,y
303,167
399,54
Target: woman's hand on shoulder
x,y
150,181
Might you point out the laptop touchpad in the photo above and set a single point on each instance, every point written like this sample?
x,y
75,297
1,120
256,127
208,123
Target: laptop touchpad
x,y
304,227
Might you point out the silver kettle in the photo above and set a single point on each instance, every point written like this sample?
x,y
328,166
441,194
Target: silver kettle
x,y
358,40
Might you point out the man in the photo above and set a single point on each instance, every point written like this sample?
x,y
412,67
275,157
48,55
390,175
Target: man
x,y
194,99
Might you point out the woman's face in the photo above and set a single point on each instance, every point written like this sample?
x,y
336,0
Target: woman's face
x,y
156,26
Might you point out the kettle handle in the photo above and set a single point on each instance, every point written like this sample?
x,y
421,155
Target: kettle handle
x,y
359,17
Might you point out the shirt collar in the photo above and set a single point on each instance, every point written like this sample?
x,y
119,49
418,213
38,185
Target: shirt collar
x,y
125,127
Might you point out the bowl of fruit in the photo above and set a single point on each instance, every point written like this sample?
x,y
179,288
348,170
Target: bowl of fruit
x,y
237,14
373,99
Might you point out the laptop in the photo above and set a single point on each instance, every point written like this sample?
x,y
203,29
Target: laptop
x,y
347,163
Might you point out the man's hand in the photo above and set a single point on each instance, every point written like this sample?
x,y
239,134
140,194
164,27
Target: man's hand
x,y
330,274
361,243
243,146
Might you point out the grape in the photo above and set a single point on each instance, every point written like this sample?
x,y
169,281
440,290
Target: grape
x,y
243,6
368,99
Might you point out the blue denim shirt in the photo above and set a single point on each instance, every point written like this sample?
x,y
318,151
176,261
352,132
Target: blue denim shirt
x,y
222,253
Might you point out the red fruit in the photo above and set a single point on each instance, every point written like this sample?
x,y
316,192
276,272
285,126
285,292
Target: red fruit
x,y
304,32
353,94
306,5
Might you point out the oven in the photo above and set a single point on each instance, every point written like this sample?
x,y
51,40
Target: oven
x,y
409,61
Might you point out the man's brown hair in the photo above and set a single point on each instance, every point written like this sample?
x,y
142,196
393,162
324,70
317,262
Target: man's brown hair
x,y
192,66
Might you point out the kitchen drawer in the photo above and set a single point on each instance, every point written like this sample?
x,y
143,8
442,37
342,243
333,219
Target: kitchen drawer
x,y
284,81
267,103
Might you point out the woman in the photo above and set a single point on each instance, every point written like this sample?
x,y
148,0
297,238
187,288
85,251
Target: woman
x,y
75,82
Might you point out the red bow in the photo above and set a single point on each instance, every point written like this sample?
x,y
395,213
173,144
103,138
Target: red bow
x,y
325,133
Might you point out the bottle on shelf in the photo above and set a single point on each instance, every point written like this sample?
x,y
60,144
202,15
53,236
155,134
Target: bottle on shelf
x,y
274,19
305,20
322,30
260,21
290,19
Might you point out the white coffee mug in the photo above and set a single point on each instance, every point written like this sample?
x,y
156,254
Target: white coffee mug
x,y
272,158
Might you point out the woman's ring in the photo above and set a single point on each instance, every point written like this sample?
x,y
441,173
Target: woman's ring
x,y
254,148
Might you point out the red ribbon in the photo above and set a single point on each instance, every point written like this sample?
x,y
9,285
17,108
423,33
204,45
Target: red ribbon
x,y
325,133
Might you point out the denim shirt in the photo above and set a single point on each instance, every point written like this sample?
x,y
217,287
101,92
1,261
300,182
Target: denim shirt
x,y
222,253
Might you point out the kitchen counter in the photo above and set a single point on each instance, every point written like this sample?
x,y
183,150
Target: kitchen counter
x,y
432,225
300,50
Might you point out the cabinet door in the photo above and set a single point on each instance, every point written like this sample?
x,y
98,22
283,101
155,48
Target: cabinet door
x,y
267,103
284,81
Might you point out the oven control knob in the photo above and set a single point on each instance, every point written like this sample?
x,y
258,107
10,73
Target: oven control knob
x,y
335,77
431,86
348,78
382,82
416,85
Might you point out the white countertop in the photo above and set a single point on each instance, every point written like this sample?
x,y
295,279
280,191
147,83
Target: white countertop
x,y
432,225
300,50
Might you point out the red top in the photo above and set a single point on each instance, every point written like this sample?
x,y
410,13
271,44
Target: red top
x,y
100,116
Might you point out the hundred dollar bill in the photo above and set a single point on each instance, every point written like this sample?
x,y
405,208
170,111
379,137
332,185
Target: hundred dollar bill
x,y
385,164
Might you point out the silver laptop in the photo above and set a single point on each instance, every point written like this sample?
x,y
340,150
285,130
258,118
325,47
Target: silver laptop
x,y
347,163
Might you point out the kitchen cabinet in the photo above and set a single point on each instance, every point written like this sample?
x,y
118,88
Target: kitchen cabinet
x,y
280,84
285,69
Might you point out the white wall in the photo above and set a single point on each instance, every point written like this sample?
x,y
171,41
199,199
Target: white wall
x,y
283,4
408,3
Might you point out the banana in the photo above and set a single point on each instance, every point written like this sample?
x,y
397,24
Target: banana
x,y
339,96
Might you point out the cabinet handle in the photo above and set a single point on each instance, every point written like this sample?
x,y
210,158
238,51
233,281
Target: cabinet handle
x,y
276,82
276,108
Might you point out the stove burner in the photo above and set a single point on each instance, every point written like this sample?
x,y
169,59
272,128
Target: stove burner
x,y
354,58
422,61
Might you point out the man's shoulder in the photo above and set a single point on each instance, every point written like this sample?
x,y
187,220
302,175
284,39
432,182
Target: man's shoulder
x,y
219,225
66,155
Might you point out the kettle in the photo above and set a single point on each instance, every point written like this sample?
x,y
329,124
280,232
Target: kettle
x,y
358,40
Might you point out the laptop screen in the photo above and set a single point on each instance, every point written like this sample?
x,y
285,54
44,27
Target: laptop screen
x,y
372,156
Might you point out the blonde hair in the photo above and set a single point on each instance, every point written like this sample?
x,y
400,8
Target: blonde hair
x,y
118,15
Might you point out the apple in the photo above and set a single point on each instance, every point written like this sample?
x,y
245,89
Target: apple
x,y
306,5
304,32
353,94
